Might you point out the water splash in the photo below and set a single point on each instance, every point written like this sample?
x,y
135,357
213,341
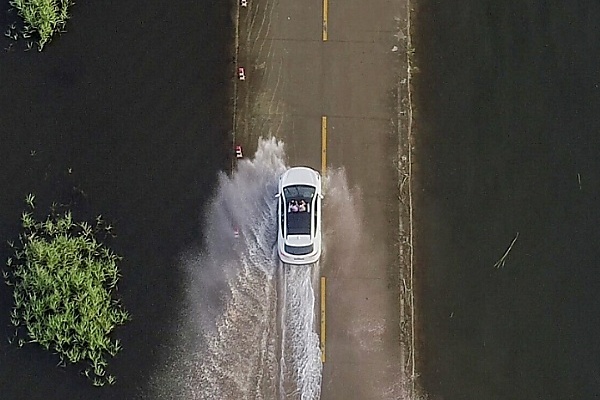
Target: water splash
x,y
247,331
301,355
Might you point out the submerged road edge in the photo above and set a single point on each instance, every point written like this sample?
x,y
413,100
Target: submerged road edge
x,y
405,212
323,330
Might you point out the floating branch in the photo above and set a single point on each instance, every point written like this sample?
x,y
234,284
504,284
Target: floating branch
x,y
500,263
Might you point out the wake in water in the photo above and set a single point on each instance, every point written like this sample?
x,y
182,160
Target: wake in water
x,y
301,356
247,331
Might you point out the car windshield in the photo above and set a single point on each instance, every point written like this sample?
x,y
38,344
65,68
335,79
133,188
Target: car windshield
x,y
299,192
298,203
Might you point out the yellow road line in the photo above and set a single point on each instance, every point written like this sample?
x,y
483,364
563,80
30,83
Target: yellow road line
x,y
323,319
325,16
323,144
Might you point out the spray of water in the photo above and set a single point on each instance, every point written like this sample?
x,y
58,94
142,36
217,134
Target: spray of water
x,y
300,370
247,331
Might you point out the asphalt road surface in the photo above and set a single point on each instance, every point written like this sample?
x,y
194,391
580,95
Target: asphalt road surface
x,y
326,77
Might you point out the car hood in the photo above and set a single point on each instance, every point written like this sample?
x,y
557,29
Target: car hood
x,y
300,176
298,240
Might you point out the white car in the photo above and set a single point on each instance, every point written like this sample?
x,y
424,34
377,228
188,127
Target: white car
x,y
299,216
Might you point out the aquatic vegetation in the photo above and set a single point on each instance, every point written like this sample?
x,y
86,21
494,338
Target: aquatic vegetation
x,y
44,17
63,282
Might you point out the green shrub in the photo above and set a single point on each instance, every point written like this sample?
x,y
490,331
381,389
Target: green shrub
x,y
63,283
44,17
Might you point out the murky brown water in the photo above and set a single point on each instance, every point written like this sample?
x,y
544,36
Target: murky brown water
x,y
125,115
508,100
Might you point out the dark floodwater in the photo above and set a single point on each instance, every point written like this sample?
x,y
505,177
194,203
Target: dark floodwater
x,y
508,99
125,115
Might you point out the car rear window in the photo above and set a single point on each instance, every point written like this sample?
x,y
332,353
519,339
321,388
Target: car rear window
x,y
299,251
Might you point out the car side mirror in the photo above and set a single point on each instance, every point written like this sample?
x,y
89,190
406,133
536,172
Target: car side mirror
x,y
277,195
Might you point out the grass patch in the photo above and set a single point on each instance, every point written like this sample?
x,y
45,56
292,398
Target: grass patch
x,y
63,282
43,17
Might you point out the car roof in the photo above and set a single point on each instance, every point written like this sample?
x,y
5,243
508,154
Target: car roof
x,y
300,176
298,223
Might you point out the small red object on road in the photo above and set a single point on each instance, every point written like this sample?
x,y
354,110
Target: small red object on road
x,y
242,73
238,152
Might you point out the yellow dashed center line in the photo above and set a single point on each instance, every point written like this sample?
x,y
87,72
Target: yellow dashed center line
x,y
323,171
323,144
323,319
325,16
